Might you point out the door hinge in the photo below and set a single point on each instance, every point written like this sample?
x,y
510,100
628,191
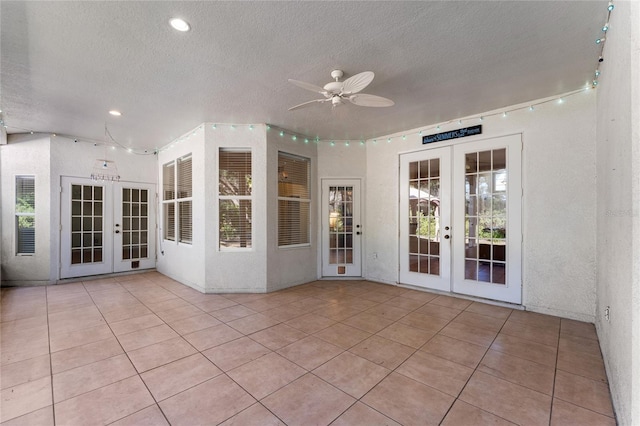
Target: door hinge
x,y
61,190
60,227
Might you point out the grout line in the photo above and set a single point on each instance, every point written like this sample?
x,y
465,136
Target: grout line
x,y
53,405
327,289
127,355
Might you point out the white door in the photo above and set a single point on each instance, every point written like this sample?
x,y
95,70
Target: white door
x,y
341,228
425,249
106,227
134,227
461,224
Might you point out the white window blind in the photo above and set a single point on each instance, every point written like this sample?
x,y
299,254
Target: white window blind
x,y
234,198
25,215
294,200
183,196
177,184
169,181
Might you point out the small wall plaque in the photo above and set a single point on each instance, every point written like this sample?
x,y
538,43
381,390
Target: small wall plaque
x,y
453,134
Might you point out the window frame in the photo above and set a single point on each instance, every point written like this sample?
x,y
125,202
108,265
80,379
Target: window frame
x,y
18,215
177,200
238,198
298,200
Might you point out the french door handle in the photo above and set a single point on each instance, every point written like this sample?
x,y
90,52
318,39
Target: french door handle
x,y
117,231
446,237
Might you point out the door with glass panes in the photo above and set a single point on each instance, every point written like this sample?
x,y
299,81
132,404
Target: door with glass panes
x,y
460,218
341,228
106,227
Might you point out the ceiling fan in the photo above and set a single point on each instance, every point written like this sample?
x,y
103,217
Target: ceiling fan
x,y
337,92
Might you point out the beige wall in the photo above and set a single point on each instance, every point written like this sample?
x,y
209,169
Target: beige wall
x,y
618,211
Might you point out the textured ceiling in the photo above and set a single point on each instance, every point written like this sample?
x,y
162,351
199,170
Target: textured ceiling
x,y
65,64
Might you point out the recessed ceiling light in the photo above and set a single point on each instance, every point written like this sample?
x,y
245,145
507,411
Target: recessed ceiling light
x,y
180,24
115,112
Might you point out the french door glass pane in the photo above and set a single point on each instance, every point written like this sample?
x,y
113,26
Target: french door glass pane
x,y
424,216
486,216
134,223
87,216
340,225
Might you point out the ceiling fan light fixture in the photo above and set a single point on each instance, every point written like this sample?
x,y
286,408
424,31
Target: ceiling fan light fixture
x,y
179,24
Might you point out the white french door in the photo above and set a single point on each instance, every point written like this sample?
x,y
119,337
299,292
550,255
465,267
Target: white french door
x,y
460,218
425,206
106,227
341,228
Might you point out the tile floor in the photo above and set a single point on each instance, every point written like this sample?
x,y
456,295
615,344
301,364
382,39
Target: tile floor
x,y
146,350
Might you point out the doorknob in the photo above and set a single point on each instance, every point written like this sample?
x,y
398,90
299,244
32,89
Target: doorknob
x,y
118,231
446,228
446,237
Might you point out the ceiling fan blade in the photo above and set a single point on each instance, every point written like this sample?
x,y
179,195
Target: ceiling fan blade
x,y
365,100
357,82
308,86
304,104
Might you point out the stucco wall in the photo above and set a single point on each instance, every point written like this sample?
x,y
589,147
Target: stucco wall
x,y
558,170
342,162
26,155
185,262
49,158
222,267
618,211
289,266
76,159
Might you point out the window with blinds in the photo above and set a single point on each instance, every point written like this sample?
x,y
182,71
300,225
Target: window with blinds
x,y
25,215
183,198
177,184
294,200
234,198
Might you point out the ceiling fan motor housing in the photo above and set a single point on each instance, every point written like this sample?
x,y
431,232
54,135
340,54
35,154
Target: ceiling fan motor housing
x,y
333,87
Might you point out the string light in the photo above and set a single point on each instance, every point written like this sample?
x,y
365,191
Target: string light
x,y
213,126
294,137
333,143
601,42
281,132
504,114
346,143
531,108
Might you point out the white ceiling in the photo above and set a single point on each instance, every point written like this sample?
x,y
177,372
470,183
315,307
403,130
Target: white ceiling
x,y
65,64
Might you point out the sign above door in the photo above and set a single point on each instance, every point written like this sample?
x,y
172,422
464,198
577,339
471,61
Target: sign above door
x,y
453,134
